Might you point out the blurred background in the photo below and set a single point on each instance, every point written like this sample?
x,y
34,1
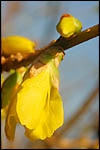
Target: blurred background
x,y
79,71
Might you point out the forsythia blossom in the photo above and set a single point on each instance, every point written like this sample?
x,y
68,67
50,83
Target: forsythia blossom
x,y
68,26
37,104
14,44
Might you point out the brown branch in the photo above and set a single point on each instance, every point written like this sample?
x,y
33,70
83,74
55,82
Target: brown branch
x,y
81,37
61,43
14,63
65,143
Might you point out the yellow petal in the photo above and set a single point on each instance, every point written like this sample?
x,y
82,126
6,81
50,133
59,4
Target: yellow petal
x,y
2,79
52,117
31,99
15,44
3,113
11,120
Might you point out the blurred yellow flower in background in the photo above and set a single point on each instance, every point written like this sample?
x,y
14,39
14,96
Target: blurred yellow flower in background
x,y
14,44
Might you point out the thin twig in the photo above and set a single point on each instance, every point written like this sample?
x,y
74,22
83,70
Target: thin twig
x,y
65,143
79,113
80,38
61,43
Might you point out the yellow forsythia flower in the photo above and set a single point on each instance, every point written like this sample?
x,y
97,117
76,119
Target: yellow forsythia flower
x,y
15,44
68,26
37,105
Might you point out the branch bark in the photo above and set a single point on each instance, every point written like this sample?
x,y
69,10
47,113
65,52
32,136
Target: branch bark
x,y
61,43
80,38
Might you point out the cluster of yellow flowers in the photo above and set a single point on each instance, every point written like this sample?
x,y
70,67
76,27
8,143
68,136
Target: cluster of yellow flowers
x,y
37,104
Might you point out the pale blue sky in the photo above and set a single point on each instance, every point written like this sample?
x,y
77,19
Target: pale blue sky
x,y
79,71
